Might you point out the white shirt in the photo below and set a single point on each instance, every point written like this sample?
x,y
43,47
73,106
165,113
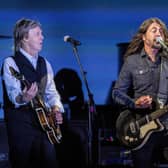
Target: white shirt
x,y
13,85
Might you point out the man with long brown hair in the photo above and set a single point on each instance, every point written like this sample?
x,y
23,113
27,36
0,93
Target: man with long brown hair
x,y
142,125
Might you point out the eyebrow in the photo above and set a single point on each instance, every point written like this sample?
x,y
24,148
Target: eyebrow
x,y
160,28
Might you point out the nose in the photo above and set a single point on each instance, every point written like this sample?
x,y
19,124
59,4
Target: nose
x,y
159,33
42,37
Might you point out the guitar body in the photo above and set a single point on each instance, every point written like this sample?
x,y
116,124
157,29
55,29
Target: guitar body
x,y
134,134
49,126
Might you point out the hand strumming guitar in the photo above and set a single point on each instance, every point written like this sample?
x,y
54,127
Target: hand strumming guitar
x,y
144,102
57,114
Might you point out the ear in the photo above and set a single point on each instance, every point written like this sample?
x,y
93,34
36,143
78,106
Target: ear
x,y
25,38
143,37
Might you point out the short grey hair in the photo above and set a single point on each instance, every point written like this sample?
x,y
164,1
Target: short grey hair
x,y
21,30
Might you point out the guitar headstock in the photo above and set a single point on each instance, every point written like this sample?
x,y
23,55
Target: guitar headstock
x,y
16,74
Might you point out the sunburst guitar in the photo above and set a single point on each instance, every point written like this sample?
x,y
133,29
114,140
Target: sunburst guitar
x,y
45,116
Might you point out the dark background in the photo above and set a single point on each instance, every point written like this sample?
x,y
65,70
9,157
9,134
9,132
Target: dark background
x,y
99,24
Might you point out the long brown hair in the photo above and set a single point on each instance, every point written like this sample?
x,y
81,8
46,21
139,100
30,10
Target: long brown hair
x,y
137,43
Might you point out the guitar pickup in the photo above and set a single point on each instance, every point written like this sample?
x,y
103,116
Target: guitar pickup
x,y
132,127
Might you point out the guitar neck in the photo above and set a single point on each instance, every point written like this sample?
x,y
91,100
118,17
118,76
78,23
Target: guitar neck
x,y
159,113
154,115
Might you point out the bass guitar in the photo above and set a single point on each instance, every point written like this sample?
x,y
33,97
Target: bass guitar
x,y
134,133
45,115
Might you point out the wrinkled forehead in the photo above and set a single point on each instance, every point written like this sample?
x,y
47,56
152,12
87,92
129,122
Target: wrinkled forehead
x,y
155,25
36,29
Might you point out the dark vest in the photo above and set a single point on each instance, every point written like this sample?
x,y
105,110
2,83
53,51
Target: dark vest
x,y
38,75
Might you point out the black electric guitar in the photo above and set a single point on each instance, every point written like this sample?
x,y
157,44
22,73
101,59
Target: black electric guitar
x,y
134,133
45,115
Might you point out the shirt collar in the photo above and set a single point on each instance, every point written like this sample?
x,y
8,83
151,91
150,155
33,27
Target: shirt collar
x,y
27,55
144,55
32,59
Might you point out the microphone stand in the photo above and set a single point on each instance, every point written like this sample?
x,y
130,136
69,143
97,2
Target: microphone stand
x,y
91,110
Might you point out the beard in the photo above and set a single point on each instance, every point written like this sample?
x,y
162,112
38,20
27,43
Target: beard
x,y
156,45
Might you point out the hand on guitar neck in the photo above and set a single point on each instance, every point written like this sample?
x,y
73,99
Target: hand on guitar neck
x,y
29,93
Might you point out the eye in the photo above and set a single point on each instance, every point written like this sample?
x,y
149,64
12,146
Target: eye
x,y
154,30
161,31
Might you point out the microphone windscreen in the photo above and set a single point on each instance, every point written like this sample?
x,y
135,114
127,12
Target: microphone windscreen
x,y
66,38
158,39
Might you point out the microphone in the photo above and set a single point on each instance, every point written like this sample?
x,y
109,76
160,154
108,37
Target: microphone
x,y
69,39
160,40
